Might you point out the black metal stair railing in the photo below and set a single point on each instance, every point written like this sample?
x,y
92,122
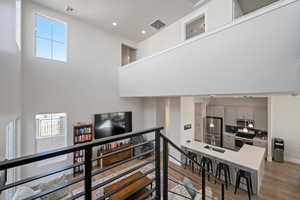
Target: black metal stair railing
x,y
167,143
159,173
88,167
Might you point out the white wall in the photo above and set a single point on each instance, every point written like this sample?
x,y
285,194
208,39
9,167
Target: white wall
x,y
217,14
255,54
10,69
154,113
86,84
173,124
187,113
150,115
285,114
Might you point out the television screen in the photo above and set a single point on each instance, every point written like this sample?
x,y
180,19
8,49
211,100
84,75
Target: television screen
x,y
110,124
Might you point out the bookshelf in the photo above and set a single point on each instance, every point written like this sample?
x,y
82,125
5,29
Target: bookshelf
x,y
82,134
117,157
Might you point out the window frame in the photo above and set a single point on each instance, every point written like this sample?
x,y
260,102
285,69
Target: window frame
x,y
37,135
192,17
61,158
36,14
37,138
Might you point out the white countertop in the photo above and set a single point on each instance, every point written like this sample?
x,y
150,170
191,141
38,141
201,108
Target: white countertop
x,y
248,156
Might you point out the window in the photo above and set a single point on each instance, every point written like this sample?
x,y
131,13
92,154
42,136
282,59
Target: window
x,y
51,131
195,27
51,125
50,39
18,22
128,54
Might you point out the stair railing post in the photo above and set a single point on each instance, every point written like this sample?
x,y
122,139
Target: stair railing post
x,y
222,191
165,169
88,173
203,183
157,166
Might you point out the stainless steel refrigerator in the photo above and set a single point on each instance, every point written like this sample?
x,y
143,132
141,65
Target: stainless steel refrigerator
x,y
214,131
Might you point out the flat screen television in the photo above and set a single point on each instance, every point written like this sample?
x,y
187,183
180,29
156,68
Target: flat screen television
x,y
110,124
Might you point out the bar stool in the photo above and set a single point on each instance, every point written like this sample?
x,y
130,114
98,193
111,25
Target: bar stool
x,y
247,176
222,167
206,164
190,162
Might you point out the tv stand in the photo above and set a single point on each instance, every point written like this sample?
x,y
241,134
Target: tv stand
x,y
109,160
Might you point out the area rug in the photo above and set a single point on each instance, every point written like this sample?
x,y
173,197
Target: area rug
x,y
179,189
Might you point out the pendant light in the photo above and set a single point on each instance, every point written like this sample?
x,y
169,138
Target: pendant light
x,y
245,130
250,125
211,124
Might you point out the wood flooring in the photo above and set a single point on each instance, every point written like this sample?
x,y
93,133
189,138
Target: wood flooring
x,y
281,181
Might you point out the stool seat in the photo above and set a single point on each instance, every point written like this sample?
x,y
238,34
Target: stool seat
x,y
247,176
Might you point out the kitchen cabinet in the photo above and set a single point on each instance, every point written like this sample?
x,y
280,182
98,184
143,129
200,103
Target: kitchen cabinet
x,y
230,116
215,111
229,140
245,113
261,119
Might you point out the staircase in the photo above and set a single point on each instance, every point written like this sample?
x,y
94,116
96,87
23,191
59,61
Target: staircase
x,y
163,174
257,54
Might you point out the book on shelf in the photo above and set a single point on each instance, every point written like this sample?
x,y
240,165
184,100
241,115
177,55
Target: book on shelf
x,y
82,133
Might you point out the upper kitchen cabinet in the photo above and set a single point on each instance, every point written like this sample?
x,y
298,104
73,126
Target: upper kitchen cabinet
x,y
230,115
245,113
261,118
215,111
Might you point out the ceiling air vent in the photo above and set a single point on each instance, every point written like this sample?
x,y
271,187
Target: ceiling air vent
x,y
69,9
157,24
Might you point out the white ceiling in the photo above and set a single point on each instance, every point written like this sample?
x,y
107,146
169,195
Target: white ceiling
x,y
132,16
251,5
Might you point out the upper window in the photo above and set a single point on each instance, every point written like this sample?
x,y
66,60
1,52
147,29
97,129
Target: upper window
x,y
50,39
195,27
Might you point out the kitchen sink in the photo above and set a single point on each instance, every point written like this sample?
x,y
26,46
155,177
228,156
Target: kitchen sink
x,y
214,149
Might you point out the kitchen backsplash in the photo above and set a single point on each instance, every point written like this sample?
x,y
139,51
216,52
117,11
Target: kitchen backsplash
x,y
234,129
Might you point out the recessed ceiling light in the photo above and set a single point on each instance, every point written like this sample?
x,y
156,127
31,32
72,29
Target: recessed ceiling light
x,y
69,9
114,24
144,32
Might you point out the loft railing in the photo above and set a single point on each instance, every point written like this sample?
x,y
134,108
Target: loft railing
x,y
167,143
158,192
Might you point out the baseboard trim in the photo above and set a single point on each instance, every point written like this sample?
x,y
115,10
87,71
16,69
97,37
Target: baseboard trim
x,y
293,160
269,158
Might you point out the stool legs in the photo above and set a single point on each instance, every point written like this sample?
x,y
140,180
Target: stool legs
x,y
248,188
225,168
247,177
206,163
251,186
237,182
189,161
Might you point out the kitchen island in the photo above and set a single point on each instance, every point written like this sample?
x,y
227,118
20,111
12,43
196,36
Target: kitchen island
x,y
249,158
